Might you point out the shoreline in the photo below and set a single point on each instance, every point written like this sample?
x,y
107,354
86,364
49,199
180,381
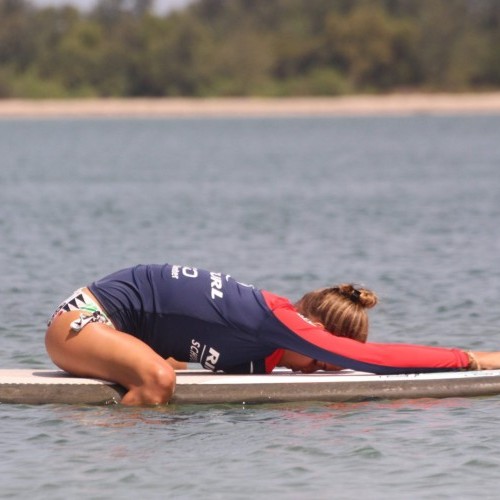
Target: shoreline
x,y
359,105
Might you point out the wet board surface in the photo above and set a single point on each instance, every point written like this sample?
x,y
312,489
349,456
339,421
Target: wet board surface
x,y
26,386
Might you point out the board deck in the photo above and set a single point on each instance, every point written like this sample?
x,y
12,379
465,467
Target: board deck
x,y
27,386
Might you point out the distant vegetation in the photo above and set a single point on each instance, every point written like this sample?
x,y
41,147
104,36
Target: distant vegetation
x,y
249,47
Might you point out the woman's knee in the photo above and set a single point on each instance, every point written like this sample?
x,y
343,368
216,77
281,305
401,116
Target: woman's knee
x,y
157,387
162,381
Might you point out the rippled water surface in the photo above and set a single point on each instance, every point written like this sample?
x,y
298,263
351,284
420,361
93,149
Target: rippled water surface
x,y
409,206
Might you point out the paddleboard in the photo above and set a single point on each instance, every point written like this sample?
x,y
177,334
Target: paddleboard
x,y
27,386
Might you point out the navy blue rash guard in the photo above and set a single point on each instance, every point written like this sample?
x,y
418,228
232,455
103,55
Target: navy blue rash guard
x,y
209,318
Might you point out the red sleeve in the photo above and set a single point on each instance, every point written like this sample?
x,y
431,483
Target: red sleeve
x,y
300,335
273,359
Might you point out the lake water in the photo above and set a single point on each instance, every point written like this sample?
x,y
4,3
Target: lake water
x,y
409,206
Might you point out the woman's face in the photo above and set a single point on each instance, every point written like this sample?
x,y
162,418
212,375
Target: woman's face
x,y
304,364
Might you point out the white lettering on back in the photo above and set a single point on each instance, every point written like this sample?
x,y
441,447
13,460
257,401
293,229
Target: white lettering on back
x,y
212,358
194,350
216,285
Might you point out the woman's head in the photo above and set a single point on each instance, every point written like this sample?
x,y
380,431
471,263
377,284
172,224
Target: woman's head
x,y
340,309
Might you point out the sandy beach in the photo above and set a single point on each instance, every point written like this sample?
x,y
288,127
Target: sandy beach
x,y
398,104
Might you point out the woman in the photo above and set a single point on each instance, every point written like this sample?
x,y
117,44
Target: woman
x,y
124,326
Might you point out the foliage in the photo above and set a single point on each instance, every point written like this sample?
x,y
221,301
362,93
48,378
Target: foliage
x,y
249,47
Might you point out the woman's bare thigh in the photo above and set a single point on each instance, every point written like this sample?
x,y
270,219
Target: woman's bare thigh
x,y
100,351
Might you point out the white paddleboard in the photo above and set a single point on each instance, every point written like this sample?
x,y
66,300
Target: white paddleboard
x,y
202,387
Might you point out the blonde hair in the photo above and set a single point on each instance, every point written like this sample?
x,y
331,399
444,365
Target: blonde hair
x,y
340,309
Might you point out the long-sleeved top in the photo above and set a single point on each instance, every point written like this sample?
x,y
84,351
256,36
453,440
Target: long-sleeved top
x,y
209,318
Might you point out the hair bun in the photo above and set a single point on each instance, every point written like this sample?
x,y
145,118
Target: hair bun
x,y
362,296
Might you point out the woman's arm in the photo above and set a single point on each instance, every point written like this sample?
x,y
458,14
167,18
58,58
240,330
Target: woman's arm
x,y
291,331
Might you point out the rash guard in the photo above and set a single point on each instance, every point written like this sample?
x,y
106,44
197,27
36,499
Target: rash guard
x,y
209,318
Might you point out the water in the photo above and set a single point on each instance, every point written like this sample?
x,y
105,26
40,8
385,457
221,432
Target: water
x,y
406,205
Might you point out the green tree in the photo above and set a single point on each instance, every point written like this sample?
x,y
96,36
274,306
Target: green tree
x,y
371,48
249,47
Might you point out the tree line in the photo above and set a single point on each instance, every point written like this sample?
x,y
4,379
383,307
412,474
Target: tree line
x,y
124,48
